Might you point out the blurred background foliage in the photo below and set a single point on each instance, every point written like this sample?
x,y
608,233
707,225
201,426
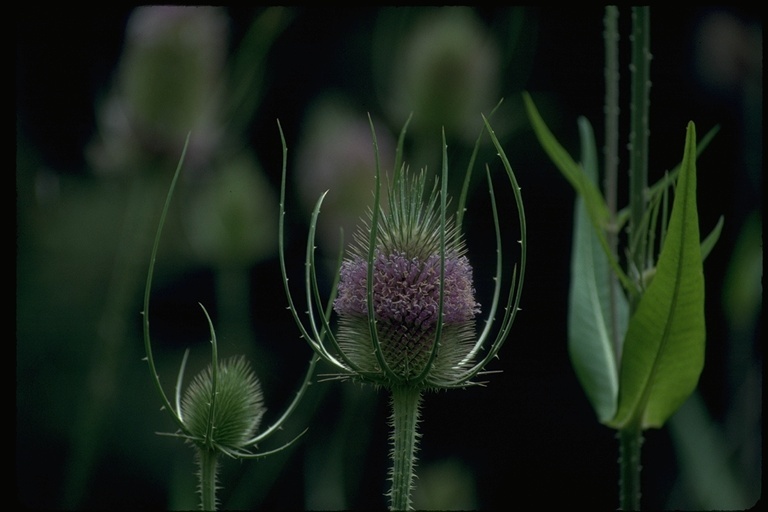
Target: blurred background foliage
x,y
104,100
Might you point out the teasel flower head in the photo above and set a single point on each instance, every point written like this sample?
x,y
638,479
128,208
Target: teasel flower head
x,y
415,279
404,295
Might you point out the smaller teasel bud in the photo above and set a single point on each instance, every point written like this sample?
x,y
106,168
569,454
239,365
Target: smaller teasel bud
x,y
237,411
408,298
222,409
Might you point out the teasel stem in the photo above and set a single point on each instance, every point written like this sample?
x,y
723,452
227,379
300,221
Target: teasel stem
x,y
630,443
612,159
638,137
405,417
208,460
631,435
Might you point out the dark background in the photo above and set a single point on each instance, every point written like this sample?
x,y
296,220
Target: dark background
x,y
528,438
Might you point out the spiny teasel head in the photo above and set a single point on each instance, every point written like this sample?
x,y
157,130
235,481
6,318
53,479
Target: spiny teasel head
x,y
409,258
405,299
238,412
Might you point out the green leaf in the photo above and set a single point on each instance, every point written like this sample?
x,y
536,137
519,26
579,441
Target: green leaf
x,y
663,352
657,193
584,187
597,316
668,178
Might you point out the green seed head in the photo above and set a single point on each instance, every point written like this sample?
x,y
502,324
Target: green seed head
x,y
237,411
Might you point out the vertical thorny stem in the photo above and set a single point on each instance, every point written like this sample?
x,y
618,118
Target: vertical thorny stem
x,y
405,418
208,460
631,435
612,110
638,137
611,149
631,440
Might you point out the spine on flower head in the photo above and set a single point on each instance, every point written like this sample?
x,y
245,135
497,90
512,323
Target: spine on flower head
x,y
239,406
406,291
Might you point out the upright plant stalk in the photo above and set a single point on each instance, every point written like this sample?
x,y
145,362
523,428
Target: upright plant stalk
x,y
631,440
638,137
611,35
208,461
611,149
631,435
405,418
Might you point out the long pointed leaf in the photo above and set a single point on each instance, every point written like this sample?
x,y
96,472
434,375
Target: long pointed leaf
x,y
664,347
593,198
594,319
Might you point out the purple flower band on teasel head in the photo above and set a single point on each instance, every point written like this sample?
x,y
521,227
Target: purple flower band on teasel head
x,y
407,290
